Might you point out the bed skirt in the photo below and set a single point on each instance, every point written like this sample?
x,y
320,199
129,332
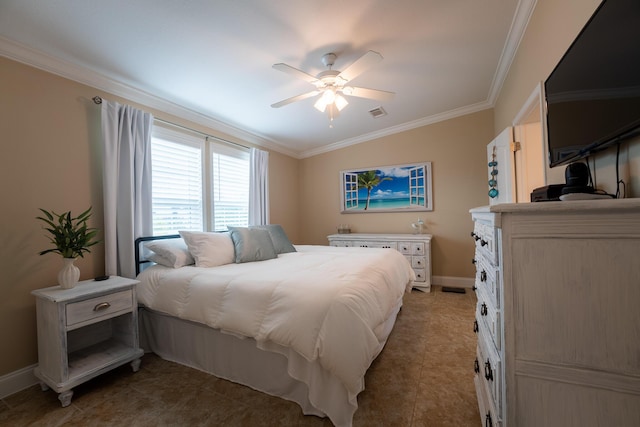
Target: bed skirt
x,y
271,369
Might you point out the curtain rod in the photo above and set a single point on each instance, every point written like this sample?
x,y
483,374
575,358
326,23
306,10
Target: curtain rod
x,y
98,100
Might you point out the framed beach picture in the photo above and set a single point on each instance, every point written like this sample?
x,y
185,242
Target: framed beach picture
x,y
400,188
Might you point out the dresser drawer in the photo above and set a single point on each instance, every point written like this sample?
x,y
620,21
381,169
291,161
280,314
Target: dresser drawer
x,y
405,248
421,275
485,236
487,278
100,307
490,371
418,262
490,414
489,318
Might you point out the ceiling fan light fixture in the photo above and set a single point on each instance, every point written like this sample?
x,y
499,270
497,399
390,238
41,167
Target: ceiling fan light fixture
x,y
331,85
340,102
328,97
320,104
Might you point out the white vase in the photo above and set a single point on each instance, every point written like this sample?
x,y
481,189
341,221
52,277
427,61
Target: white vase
x,y
69,274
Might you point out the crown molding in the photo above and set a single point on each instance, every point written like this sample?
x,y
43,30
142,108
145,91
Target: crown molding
x,y
89,77
524,10
451,114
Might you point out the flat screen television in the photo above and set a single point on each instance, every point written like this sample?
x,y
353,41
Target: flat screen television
x,y
593,94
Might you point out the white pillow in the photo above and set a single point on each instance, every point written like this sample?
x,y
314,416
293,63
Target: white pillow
x,y
209,249
171,253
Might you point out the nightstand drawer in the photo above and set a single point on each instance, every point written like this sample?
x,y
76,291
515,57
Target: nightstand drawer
x,y
95,308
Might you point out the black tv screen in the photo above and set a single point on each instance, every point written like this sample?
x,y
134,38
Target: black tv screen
x,y
593,94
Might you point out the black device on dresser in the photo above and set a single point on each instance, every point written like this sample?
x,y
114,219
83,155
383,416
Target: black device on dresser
x,y
548,193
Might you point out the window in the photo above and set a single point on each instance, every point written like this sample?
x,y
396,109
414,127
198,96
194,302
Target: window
x,y
189,193
230,176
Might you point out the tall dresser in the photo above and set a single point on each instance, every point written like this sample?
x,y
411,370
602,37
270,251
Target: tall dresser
x,y
415,247
558,314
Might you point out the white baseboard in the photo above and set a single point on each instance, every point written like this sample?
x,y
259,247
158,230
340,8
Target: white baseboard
x,y
454,282
16,381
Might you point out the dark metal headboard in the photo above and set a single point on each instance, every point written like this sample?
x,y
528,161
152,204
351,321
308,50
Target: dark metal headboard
x,y
140,240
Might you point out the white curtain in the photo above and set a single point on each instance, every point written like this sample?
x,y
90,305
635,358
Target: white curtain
x,y
126,137
258,187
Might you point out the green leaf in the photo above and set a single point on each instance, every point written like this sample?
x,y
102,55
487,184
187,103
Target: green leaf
x,y
70,236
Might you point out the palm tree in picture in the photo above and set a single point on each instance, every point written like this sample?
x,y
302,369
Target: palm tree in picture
x,y
368,180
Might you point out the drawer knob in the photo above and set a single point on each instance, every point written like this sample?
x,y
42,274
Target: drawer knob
x,y
488,373
483,309
483,242
475,326
476,366
473,234
101,306
473,261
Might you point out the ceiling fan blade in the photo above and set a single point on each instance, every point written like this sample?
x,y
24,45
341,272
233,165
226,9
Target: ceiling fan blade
x,y
363,92
361,64
295,72
295,98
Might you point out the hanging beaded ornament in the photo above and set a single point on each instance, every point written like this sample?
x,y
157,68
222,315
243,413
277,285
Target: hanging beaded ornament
x,y
493,182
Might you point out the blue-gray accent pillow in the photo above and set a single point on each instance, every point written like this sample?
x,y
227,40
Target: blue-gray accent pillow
x,y
279,238
252,244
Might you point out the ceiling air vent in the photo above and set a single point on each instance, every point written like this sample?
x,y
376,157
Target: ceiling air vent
x,y
377,112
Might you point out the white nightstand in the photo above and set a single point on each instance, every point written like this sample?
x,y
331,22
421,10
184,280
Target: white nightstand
x,y
85,331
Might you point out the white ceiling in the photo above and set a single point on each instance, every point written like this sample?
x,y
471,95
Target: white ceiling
x,y
211,61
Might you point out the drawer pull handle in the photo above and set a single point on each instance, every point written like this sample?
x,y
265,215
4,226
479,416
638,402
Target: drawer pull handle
x,y
483,242
488,422
473,234
476,366
474,287
483,276
473,261
475,326
488,373
476,237
483,309
101,306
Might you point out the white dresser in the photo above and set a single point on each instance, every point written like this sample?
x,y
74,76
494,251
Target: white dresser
x,y
415,247
558,317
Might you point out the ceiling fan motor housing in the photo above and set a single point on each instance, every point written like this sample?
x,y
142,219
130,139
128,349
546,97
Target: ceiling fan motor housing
x,y
329,59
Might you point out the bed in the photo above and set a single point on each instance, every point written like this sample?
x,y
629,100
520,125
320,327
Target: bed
x,y
300,322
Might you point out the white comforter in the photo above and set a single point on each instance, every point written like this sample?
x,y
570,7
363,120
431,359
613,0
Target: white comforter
x,y
327,304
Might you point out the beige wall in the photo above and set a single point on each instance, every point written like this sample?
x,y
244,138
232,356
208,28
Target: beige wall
x,y
457,150
50,158
551,30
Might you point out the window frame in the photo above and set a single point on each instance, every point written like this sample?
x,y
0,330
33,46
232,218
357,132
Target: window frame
x,y
208,146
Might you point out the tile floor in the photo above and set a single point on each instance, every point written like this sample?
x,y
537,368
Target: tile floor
x,y
423,377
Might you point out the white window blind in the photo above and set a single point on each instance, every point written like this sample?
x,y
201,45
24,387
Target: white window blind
x,y
176,186
190,194
230,169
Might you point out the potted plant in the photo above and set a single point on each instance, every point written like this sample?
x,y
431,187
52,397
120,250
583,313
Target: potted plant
x,y
71,238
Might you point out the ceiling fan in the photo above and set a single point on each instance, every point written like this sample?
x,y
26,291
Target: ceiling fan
x,y
331,84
